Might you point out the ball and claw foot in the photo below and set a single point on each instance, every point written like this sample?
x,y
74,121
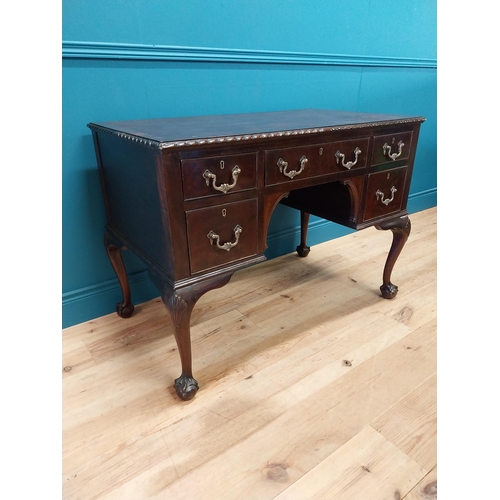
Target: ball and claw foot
x,y
124,310
186,387
389,291
303,251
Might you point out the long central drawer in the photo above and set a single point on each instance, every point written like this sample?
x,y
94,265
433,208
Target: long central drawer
x,y
302,162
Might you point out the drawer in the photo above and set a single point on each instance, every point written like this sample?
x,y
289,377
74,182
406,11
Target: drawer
x,y
388,148
349,155
221,234
384,192
287,165
218,175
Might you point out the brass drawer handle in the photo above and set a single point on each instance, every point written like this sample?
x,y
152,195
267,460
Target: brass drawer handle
x,y
282,164
393,156
213,237
380,196
224,187
349,164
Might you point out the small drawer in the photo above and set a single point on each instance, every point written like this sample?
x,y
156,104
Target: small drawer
x,y
384,193
349,155
221,234
290,164
389,148
218,175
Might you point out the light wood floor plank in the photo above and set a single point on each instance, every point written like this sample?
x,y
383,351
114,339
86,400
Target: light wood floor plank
x,y
426,489
411,424
256,462
367,466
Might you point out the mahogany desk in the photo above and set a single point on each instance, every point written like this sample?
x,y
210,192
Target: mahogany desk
x,y
193,197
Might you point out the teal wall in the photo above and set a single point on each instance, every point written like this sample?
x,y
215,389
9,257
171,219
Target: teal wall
x,y
125,59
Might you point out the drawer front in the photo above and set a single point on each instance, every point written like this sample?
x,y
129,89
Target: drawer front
x,y
384,193
349,155
218,175
287,165
222,234
389,148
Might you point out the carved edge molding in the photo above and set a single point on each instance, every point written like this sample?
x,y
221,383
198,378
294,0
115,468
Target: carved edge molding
x,y
236,138
149,52
134,138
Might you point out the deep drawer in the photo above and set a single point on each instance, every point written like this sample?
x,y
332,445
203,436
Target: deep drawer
x,y
286,165
389,148
222,234
384,193
218,175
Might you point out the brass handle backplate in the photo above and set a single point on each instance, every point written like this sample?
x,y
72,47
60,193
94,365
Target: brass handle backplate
x,y
215,238
282,164
393,156
224,187
349,164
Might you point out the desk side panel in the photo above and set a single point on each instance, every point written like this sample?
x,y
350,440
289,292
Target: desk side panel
x,y
131,178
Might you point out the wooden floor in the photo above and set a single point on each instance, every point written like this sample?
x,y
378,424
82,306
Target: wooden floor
x,y
312,386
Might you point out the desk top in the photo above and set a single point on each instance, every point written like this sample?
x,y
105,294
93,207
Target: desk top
x,y
187,131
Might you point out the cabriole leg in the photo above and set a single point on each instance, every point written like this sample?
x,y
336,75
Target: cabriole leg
x,y
303,250
180,304
125,308
400,228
